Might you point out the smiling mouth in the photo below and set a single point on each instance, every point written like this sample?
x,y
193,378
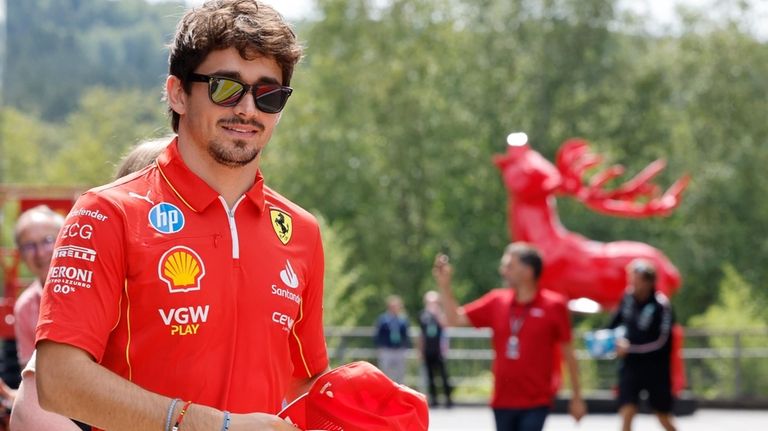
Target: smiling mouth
x,y
242,127
244,130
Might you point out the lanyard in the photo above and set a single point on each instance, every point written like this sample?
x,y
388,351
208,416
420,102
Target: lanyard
x,y
516,320
394,331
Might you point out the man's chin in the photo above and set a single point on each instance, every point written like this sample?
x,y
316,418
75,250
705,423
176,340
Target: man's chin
x,y
233,158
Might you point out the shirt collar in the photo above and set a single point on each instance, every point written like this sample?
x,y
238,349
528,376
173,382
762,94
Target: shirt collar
x,y
195,193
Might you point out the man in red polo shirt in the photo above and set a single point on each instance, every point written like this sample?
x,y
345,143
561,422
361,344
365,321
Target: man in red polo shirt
x,y
189,293
529,326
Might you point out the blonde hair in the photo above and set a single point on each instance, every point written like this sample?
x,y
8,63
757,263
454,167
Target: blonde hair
x,y
141,155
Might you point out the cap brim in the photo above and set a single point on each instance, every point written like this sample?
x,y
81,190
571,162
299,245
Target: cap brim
x,y
295,413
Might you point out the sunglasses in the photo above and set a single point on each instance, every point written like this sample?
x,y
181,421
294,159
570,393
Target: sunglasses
x,y
269,98
44,245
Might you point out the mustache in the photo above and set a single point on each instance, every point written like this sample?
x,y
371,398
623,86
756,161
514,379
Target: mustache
x,y
241,122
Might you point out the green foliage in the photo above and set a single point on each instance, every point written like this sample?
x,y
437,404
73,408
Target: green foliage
x,y
26,143
344,297
106,124
735,308
737,311
398,109
58,48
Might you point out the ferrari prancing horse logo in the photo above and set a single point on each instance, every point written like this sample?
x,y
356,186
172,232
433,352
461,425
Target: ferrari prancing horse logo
x,y
281,223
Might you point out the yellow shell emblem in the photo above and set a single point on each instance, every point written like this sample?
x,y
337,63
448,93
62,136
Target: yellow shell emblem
x,y
282,224
181,268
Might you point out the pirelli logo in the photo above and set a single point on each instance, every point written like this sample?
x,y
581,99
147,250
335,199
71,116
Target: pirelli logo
x,y
75,252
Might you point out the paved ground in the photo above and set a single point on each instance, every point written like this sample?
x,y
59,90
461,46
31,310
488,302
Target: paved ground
x,y
481,419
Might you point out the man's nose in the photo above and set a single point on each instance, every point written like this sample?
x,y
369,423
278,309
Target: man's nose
x,y
246,107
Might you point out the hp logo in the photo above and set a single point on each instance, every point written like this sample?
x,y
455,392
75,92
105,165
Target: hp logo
x,y
166,218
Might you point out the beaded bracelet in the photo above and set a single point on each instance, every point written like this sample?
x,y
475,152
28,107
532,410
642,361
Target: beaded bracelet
x,y
225,424
170,413
181,416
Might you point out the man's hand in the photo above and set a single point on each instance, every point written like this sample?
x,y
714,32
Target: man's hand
x,y
622,347
442,271
577,408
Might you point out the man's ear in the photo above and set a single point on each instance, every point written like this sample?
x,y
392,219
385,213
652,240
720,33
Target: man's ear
x,y
279,116
177,97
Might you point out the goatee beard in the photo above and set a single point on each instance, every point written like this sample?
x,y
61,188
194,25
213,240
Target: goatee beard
x,y
234,158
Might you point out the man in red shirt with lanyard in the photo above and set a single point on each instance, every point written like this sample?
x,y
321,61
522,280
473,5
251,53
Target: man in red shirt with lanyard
x,y
529,325
189,294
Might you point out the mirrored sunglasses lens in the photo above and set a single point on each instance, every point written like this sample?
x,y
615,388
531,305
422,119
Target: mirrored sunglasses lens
x,y
272,100
225,92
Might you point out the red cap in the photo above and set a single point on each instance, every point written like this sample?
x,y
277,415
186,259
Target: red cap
x,y
358,397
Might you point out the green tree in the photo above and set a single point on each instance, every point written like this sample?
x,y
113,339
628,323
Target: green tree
x,y
736,311
399,107
58,48
106,124
344,297
26,147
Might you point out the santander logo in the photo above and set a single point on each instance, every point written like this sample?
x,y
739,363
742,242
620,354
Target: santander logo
x,y
288,276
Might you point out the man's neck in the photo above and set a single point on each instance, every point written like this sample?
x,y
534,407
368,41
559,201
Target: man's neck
x,y
642,298
230,183
525,293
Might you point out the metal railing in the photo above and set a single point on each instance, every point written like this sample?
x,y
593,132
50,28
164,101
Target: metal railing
x,y
727,366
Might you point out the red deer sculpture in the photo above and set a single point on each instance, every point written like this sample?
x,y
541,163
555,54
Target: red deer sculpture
x,y
577,266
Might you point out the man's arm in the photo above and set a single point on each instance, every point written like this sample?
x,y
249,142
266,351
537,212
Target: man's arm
x,y
70,383
443,273
27,414
299,386
576,407
662,324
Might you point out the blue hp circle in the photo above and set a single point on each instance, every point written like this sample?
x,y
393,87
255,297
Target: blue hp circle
x,y
166,218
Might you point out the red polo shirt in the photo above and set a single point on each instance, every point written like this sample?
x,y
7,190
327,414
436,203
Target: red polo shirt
x,y
531,380
164,285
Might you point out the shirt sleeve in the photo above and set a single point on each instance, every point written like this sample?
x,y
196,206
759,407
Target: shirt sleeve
x,y
307,342
617,319
480,312
659,332
26,312
31,365
380,334
81,297
405,334
564,332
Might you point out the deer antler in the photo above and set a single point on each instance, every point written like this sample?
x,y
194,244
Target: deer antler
x,y
637,197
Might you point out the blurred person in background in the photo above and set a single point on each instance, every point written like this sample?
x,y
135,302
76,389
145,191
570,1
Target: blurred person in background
x,y
35,233
391,339
646,318
529,326
432,346
27,413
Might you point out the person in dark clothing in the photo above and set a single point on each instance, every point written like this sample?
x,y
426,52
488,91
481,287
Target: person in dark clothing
x,y
391,339
645,317
431,346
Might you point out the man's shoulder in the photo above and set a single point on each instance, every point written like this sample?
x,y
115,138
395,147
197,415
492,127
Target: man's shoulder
x,y
553,300
276,201
662,299
123,188
30,295
552,296
115,200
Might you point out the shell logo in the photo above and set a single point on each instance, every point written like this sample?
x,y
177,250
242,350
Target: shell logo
x,y
181,268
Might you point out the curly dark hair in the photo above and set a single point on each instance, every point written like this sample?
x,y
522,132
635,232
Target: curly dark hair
x,y
253,28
